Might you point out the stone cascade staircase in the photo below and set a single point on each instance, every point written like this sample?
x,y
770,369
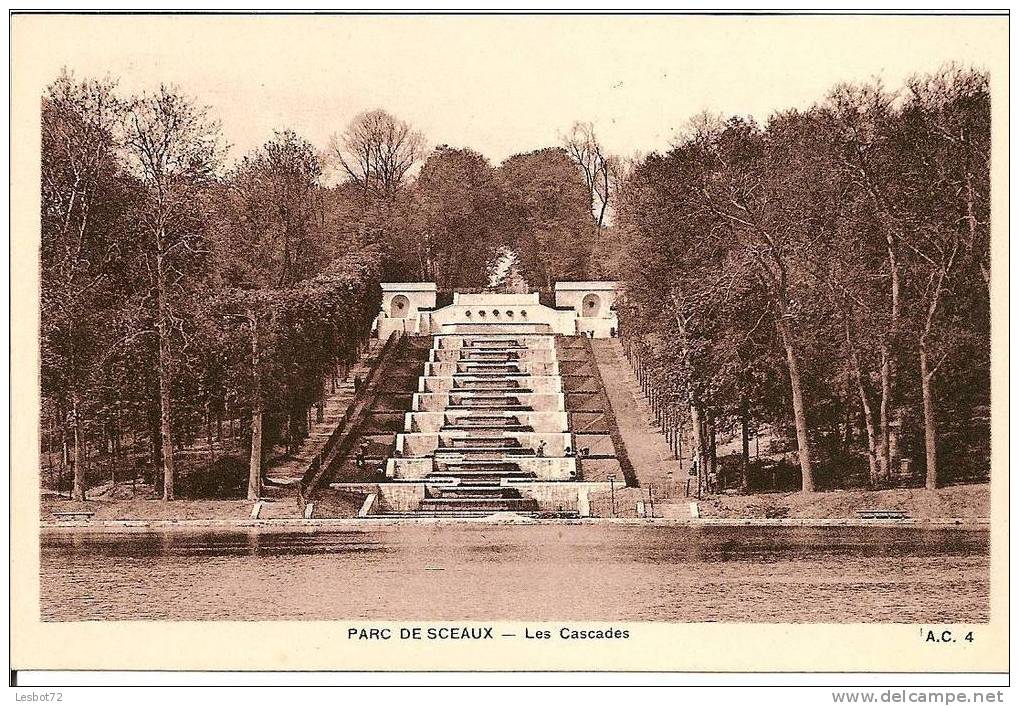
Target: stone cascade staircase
x,y
479,452
472,467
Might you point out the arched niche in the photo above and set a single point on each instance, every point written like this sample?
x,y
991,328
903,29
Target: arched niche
x,y
399,307
591,305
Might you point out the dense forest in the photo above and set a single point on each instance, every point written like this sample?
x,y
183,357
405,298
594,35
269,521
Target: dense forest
x,y
828,273
825,274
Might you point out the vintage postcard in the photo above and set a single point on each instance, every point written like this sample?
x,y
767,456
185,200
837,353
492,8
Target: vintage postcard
x,y
618,343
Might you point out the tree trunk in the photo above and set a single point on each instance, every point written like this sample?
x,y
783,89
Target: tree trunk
x,y
887,351
255,467
868,415
711,477
886,395
165,380
679,441
929,425
64,452
799,409
208,434
868,419
744,419
78,490
697,449
117,432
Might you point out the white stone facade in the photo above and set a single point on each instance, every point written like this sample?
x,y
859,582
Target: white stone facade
x,y
581,309
402,304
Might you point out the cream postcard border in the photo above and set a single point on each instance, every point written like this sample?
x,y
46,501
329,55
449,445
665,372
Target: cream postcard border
x,y
323,645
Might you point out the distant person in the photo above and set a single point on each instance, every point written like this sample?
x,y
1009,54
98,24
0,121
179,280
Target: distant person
x,y
357,384
362,453
569,452
541,448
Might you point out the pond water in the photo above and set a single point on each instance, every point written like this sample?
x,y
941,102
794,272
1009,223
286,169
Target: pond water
x,y
521,572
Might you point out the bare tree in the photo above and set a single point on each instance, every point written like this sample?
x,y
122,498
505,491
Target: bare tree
x,y
947,116
174,150
764,210
864,118
598,169
78,254
376,151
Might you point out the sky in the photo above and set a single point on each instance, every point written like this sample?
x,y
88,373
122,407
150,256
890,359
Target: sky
x,y
499,85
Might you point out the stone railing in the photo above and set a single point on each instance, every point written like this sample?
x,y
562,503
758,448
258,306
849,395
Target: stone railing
x,y
625,465
320,462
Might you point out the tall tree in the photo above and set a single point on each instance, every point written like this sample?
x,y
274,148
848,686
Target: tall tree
x,y
174,150
376,151
946,119
869,143
279,189
857,230
269,223
595,165
86,243
756,190
549,216
459,214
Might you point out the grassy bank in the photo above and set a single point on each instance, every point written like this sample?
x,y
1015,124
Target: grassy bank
x,y
148,509
143,503
963,501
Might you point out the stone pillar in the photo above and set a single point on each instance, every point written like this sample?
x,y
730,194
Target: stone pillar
x,y
583,503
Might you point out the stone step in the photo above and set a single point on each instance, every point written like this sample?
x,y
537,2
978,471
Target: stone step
x,y
496,346
483,427
509,405
482,434
473,491
476,451
481,442
495,374
445,513
481,478
488,364
494,386
469,504
485,395
489,465
494,408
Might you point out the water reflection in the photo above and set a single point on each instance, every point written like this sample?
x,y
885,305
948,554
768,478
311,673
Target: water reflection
x,y
546,572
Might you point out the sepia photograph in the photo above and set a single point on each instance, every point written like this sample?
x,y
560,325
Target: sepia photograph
x,y
499,329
